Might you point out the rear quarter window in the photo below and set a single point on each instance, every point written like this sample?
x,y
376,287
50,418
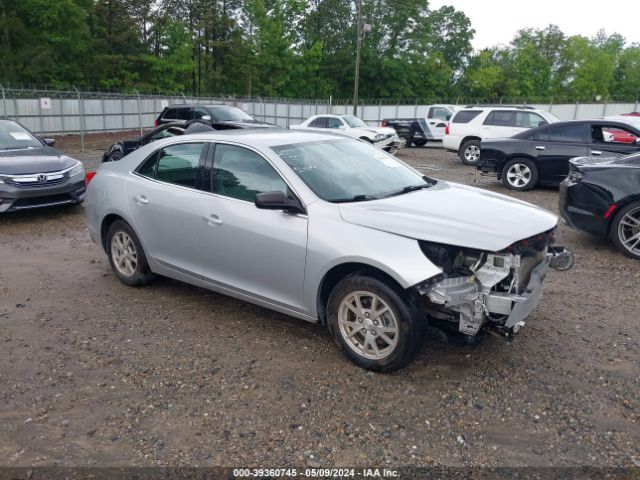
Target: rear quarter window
x,y
465,116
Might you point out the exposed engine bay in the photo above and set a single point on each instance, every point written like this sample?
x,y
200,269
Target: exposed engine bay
x,y
493,289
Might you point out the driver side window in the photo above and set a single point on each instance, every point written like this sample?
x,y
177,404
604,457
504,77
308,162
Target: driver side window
x,y
333,122
241,173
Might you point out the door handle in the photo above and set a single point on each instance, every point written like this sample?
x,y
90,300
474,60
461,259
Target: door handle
x,y
596,152
141,200
213,219
540,147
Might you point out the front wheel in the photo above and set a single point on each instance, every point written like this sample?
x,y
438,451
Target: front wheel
x,y
520,174
625,230
374,324
126,255
470,152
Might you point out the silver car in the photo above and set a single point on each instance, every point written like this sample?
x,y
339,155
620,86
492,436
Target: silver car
x,y
326,229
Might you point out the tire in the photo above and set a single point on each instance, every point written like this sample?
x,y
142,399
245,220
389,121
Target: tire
x,y
408,139
419,143
404,328
470,152
121,236
625,230
115,156
520,174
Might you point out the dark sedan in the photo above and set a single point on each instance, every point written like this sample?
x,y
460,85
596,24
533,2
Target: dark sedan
x,y
224,116
540,156
124,147
602,197
32,174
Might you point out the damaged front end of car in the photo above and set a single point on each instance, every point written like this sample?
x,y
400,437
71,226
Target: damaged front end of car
x,y
495,290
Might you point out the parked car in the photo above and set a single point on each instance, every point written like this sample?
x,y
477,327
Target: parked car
x,y
124,147
32,174
472,124
228,115
288,220
418,131
541,156
352,126
602,197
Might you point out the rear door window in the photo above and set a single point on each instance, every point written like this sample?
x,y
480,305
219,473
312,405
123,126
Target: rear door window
x,y
501,118
320,122
175,164
565,133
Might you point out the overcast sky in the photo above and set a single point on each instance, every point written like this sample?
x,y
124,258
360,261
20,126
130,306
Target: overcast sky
x,y
497,21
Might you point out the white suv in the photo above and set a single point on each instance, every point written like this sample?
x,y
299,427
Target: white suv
x,y
470,125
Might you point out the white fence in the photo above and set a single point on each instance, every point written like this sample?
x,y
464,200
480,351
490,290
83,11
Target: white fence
x,y
74,111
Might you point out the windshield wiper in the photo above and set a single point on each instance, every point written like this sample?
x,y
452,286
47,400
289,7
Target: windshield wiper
x,y
407,189
355,198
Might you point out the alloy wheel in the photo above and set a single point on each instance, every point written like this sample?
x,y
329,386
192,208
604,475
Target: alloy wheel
x,y
368,325
124,254
472,153
518,175
629,231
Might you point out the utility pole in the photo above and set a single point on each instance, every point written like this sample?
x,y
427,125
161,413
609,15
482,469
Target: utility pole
x,y
358,43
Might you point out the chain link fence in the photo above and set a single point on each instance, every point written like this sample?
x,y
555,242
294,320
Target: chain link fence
x,y
50,111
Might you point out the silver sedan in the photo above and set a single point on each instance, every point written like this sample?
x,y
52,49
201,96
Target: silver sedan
x,y
326,229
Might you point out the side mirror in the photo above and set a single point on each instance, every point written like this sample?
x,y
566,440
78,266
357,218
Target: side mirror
x,y
49,142
206,117
637,141
278,201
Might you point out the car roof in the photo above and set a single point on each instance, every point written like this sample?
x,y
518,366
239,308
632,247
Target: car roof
x,y
269,138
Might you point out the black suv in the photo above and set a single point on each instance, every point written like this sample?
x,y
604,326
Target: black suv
x,y
221,116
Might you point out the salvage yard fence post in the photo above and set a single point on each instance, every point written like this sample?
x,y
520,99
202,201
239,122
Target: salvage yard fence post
x,y
82,119
4,102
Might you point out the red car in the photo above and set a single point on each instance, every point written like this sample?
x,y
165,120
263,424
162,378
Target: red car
x,y
618,136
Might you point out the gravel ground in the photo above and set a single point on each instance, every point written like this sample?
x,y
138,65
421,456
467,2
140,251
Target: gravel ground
x,y
96,373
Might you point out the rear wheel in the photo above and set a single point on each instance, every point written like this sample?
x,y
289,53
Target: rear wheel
x,y
115,156
374,324
625,230
419,143
520,174
126,255
407,139
470,152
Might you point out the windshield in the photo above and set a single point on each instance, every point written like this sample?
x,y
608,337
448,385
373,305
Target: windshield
x,y
229,114
551,118
13,136
354,122
349,170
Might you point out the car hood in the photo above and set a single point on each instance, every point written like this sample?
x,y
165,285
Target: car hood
x,y
382,130
33,160
453,214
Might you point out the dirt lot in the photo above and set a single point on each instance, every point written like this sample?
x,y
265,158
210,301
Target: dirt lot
x,y
96,373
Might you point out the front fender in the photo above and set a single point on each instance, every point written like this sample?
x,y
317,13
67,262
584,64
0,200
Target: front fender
x,y
332,242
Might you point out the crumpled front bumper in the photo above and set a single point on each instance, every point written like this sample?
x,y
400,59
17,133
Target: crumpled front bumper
x,y
391,144
478,304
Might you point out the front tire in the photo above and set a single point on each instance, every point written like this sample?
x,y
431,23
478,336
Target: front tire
x,y
470,152
374,323
520,174
126,256
625,230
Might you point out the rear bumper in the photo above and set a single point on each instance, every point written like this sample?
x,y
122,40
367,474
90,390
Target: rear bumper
x,y
26,198
582,209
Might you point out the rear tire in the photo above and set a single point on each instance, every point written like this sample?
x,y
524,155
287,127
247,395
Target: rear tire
x,y
419,143
470,152
126,256
625,230
408,139
520,174
374,323
115,156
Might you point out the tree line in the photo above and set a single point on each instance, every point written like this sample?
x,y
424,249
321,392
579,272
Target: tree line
x,y
302,49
